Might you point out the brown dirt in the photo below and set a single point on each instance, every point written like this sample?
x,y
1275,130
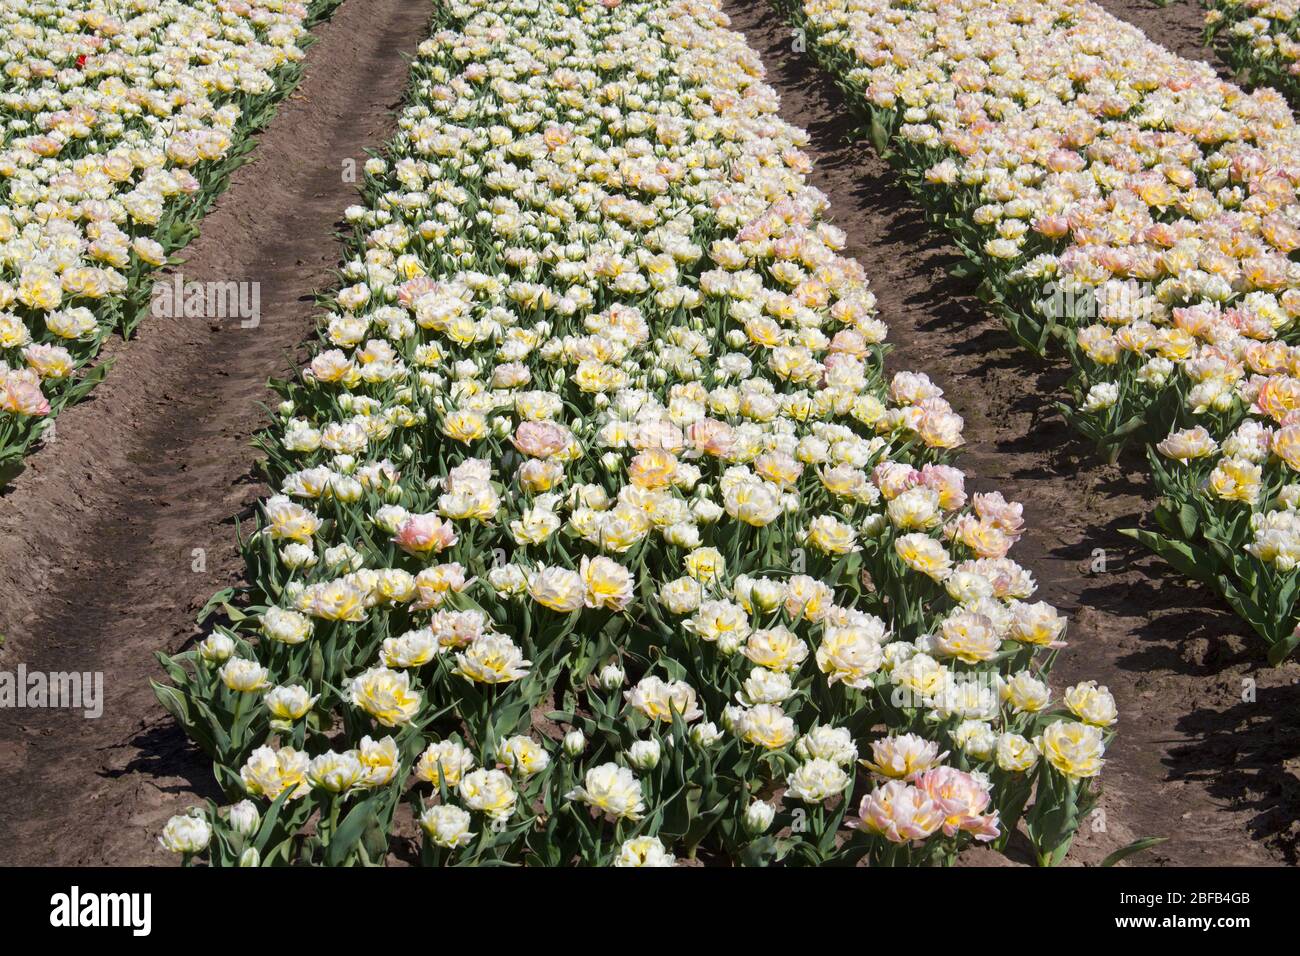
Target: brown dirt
x,y
97,536
1193,762
1176,27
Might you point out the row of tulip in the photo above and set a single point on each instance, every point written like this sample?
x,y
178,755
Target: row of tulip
x,y
1129,209
1260,39
600,535
121,123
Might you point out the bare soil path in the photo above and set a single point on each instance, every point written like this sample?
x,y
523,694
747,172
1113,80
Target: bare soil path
x,y
98,537
1193,762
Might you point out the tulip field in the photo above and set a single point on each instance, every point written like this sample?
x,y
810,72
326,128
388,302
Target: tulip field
x,y
107,170
1258,40
1144,231
604,519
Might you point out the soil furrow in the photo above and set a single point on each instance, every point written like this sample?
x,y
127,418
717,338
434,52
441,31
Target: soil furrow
x,y
1194,761
100,540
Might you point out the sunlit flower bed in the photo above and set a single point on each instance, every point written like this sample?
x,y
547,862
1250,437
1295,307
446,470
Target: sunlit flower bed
x,y
1260,39
1127,207
600,535
119,124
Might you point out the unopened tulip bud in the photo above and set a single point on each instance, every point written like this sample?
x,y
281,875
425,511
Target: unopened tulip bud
x,y
644,754
758,817
244,818
730,643
705,734
874,525
611,677
216,648
768,594
575,742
